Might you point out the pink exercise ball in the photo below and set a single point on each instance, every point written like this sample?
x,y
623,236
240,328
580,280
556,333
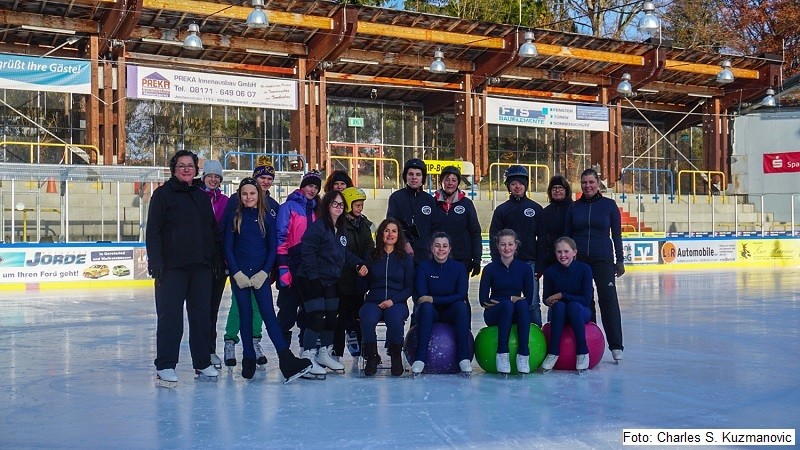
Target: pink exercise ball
x,y
566,358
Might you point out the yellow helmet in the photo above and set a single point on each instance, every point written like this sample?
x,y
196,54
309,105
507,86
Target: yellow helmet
x,y
352,194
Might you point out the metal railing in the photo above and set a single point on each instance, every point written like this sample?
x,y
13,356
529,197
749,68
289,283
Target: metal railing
x,y
533,176
277,160
353,162
709,178
67,150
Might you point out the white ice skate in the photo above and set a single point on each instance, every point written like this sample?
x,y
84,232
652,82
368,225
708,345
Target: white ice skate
x,y
207,374
503,364
325,359
167,378
317,372
261,360
617,354
582,362
523,365
417,368
466,367
549,362
215,361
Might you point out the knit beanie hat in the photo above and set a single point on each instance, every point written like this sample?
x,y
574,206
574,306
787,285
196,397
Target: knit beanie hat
x,y
212,167
312,177
340,175
263,167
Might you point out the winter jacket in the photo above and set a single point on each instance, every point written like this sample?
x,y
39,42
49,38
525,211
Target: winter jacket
x,y
573,282
415,209
324,253
361,244
248,251
553,218
460,220
594,223
524,216
219,202
181,228
291,224
447,283
391,278
500,283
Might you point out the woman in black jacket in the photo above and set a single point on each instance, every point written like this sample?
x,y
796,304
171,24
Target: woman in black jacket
x,y
554,214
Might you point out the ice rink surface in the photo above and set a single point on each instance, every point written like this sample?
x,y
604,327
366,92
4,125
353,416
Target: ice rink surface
x,y
702,350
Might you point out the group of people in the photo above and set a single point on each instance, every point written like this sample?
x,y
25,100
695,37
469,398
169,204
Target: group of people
x,y
336,281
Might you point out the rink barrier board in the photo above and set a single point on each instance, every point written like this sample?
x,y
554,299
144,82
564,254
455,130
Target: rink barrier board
x,y
105,265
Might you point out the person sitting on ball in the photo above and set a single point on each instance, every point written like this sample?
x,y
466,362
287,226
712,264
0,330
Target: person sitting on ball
x,y
568,291
505,289
442,286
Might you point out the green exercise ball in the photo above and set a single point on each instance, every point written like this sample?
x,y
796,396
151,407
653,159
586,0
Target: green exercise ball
x,y
486,348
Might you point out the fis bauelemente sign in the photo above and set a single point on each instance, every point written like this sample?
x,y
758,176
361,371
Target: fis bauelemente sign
x,y
522,113
31,73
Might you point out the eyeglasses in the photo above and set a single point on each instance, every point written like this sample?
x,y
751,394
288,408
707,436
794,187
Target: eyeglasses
x,y
337,205
557,188
185,166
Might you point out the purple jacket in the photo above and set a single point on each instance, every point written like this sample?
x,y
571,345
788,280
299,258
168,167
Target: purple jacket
x,y
218,202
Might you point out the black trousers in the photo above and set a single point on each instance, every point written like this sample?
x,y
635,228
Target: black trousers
x,y
217,288
348,320
604,274
192,285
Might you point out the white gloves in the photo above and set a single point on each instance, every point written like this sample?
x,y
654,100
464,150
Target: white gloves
x,y
258,279
241,280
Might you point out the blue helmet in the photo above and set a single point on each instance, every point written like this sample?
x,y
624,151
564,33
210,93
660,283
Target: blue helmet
x,y
516,173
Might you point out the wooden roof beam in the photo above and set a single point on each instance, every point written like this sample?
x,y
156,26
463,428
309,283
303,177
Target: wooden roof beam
x,y
208,9
749,91
369,79
216,40
16,18
684,89
541,74
541,94
118,23
708,69
205,64
494,62
405,60
329,46
654,62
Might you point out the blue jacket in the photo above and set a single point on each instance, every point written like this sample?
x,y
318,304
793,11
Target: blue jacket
x,y
553,218
524,216
573,282
500,283
390,278
248,251
415,208
447,283
324,253
460,220
590,222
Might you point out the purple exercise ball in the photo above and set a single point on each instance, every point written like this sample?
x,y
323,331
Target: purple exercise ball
x,y
442,349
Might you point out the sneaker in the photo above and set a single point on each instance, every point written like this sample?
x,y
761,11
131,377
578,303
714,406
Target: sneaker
x,y
417,367
215,361
260,358
617,354
503,363
549,361
167,375
209,371
465,365
582,362
523,364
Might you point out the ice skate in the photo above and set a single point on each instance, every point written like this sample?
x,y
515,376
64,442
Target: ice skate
x,y
215,361
617,354
261,360
549,362
466,367
396,357
207,374
291,366
325,359
248,368
371,359
523,365
167,378
417,368
582,363
230,353
352,344
503,364
316,372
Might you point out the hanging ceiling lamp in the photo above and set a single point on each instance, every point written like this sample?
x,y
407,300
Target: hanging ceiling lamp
x,y
192,41
725,75
624,87
649,23
528,49
437,66
257,17
769,100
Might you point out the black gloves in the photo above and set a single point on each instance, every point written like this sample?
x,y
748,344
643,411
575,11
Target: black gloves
x,y
219,272
476,268
620,268
156,273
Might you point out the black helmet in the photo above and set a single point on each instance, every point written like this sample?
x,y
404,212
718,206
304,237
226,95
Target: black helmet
x,y
416,163
450,170
516,173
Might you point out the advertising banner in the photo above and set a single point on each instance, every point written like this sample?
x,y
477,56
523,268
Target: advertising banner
x,y
36,264
31,73
640,252
522,113
697,251
768,250
782,162
212,89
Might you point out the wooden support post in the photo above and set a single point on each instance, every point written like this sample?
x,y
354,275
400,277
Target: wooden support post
x,y
715,139
92,100
606,145
298,118
107,120
120,94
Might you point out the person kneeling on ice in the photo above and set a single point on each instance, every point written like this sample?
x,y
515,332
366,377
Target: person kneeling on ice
x,y
323,256
391,282
506,285
568,292
250,241
442,285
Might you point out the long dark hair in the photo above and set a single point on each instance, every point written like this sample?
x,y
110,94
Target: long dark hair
x,y
260,207
324,212
399,248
